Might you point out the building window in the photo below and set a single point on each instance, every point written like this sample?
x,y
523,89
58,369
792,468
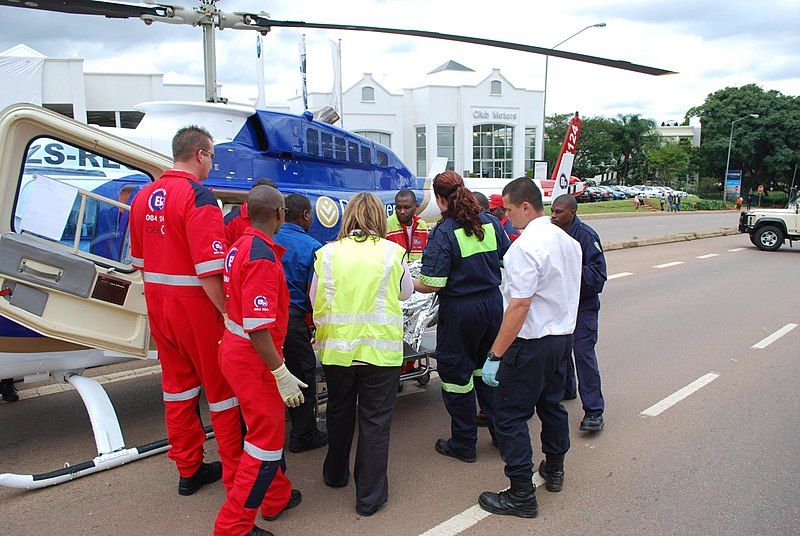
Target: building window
x,y
493,151
446,144
530,149
368,94
130,119
63,109
102,119
384,138
422,163
497,87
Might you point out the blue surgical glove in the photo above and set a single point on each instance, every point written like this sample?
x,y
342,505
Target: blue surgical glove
x,y
489,373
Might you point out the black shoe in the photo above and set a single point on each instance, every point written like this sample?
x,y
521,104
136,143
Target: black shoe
x,y
295,498
554,480
366,512
494,443
443,447
208,473
592,423
319,439
510,503
570,396
480,419
258,531
8,390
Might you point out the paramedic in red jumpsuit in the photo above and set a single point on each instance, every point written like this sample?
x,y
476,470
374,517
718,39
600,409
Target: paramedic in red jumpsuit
x,y
251,358
178,242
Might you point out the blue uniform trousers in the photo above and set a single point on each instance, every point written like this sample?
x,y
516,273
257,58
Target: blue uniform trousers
x,y
586,365
466,330
531,376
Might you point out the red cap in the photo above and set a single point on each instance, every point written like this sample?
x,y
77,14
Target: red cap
x,y
495,201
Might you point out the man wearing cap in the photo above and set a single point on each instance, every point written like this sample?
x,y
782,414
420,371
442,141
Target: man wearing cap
x,y
498,210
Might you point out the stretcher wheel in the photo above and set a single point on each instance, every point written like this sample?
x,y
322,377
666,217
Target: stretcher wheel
x,y
424,379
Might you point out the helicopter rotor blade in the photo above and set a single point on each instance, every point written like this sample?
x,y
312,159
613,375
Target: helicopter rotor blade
x,y
263,22
111,10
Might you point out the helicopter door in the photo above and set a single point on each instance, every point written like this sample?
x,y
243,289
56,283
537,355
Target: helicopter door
x,y
65,270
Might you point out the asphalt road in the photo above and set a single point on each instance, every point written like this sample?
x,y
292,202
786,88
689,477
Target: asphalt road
x,y
724,460
640,225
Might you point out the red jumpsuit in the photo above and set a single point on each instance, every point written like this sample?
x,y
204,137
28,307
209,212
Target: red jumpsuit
x,y
177,236
236,221
256,298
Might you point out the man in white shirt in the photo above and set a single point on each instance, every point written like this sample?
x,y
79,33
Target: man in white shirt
x,y
528,360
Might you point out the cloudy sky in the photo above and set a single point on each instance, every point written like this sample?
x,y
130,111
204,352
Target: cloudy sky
x,y
711,43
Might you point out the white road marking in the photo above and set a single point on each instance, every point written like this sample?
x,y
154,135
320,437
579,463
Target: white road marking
x,y
737,249
677,396
469,517
763,343
708,256
106,378
667,265
621,274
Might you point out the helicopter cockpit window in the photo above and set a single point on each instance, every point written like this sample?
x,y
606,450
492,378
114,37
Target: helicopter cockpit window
x,y
352,151
366,156
78,200
383,159
312,142
327,145
341,149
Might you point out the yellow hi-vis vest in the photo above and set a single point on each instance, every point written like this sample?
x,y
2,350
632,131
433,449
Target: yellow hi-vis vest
x,y
357,307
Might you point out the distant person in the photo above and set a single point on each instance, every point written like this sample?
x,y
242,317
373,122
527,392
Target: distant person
x,y
238,219
636,203
482,200
405,228
739,203
677,203
662,201
593,278
498,210
8,391
671,202
298,265
749,200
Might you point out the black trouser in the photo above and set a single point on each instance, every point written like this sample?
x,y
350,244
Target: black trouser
x,y
584,341
466,330
532,376
301,361
374,391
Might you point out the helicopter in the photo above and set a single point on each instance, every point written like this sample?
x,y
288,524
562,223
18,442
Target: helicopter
x,y
69,298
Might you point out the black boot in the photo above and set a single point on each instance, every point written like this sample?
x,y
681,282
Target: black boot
x,y
295,498
258,531
206,474
316,440
592,423
8,391
519,500
553,474
442,446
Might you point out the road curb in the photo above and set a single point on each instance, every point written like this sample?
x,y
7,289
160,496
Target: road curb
x,y
668,239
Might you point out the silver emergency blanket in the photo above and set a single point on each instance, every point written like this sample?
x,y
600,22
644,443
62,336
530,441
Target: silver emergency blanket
x,y
420,311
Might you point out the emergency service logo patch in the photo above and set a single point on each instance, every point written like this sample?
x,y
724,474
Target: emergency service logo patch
x,y
217,246
260,303
562,181
229,258
158,199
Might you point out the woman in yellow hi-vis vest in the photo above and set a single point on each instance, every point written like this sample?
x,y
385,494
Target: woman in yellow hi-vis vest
x,y
358,283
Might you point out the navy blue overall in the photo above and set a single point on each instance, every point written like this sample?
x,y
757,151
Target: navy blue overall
x,y
593,277
470,313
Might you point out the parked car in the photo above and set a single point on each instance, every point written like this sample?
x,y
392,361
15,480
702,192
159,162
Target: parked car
x,y
599,194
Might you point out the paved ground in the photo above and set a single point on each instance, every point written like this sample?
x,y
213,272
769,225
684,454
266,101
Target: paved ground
x,y
642,225
724,460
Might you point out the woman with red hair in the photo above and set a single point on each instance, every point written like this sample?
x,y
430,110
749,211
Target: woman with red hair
x,y
462,263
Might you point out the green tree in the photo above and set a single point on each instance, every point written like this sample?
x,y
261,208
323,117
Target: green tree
x,y
766,148
671,161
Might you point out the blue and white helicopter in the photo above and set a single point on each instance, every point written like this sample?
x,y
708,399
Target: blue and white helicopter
x,y
69,299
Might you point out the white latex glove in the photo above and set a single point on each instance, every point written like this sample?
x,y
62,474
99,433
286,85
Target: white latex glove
x,y
289,386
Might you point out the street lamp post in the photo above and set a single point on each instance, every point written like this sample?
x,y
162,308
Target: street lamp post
x,y
728,162
546,65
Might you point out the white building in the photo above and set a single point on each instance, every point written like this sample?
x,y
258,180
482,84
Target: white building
x,y
671,130
483,125
61,85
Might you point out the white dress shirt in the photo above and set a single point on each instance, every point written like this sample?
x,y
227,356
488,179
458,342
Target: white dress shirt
x,y
545,263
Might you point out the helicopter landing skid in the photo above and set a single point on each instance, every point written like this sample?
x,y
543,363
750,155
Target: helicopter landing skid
x,y
107,435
